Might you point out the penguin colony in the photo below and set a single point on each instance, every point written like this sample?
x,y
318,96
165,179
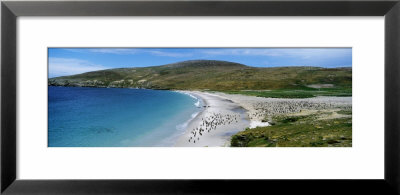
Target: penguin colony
x,y
210,123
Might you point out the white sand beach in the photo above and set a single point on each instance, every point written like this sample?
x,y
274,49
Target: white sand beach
x,y
214,126
259,107
226,114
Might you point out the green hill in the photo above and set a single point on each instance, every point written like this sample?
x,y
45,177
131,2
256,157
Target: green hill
x,y
213,75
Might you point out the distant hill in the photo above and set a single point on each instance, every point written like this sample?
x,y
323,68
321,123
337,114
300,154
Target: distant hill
x,y
203,63
210,75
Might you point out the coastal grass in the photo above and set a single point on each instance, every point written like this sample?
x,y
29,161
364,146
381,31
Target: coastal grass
x,y
299,131
297,93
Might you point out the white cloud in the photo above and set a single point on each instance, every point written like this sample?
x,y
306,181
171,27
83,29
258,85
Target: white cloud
x,y
114,51
242,52
123,51
119,51
170,54
304,53
71,66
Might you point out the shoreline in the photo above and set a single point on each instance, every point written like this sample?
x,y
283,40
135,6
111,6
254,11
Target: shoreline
x,y
213,126
251,110
221,115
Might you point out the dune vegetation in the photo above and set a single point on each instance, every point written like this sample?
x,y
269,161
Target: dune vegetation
x,y
322,129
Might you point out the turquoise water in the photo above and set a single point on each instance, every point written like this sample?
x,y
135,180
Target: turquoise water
x,y
115,117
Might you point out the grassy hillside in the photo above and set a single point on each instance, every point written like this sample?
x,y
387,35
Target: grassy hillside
x,y
314,130
213,75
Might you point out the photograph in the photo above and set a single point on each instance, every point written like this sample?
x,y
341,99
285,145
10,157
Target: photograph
x,y
199,97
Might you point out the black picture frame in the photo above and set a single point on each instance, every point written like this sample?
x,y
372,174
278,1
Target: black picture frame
x,y
11,10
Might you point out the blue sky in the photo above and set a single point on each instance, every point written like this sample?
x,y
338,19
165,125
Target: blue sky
x,y
69,61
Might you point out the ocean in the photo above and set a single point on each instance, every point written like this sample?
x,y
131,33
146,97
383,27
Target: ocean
x,y
117,117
